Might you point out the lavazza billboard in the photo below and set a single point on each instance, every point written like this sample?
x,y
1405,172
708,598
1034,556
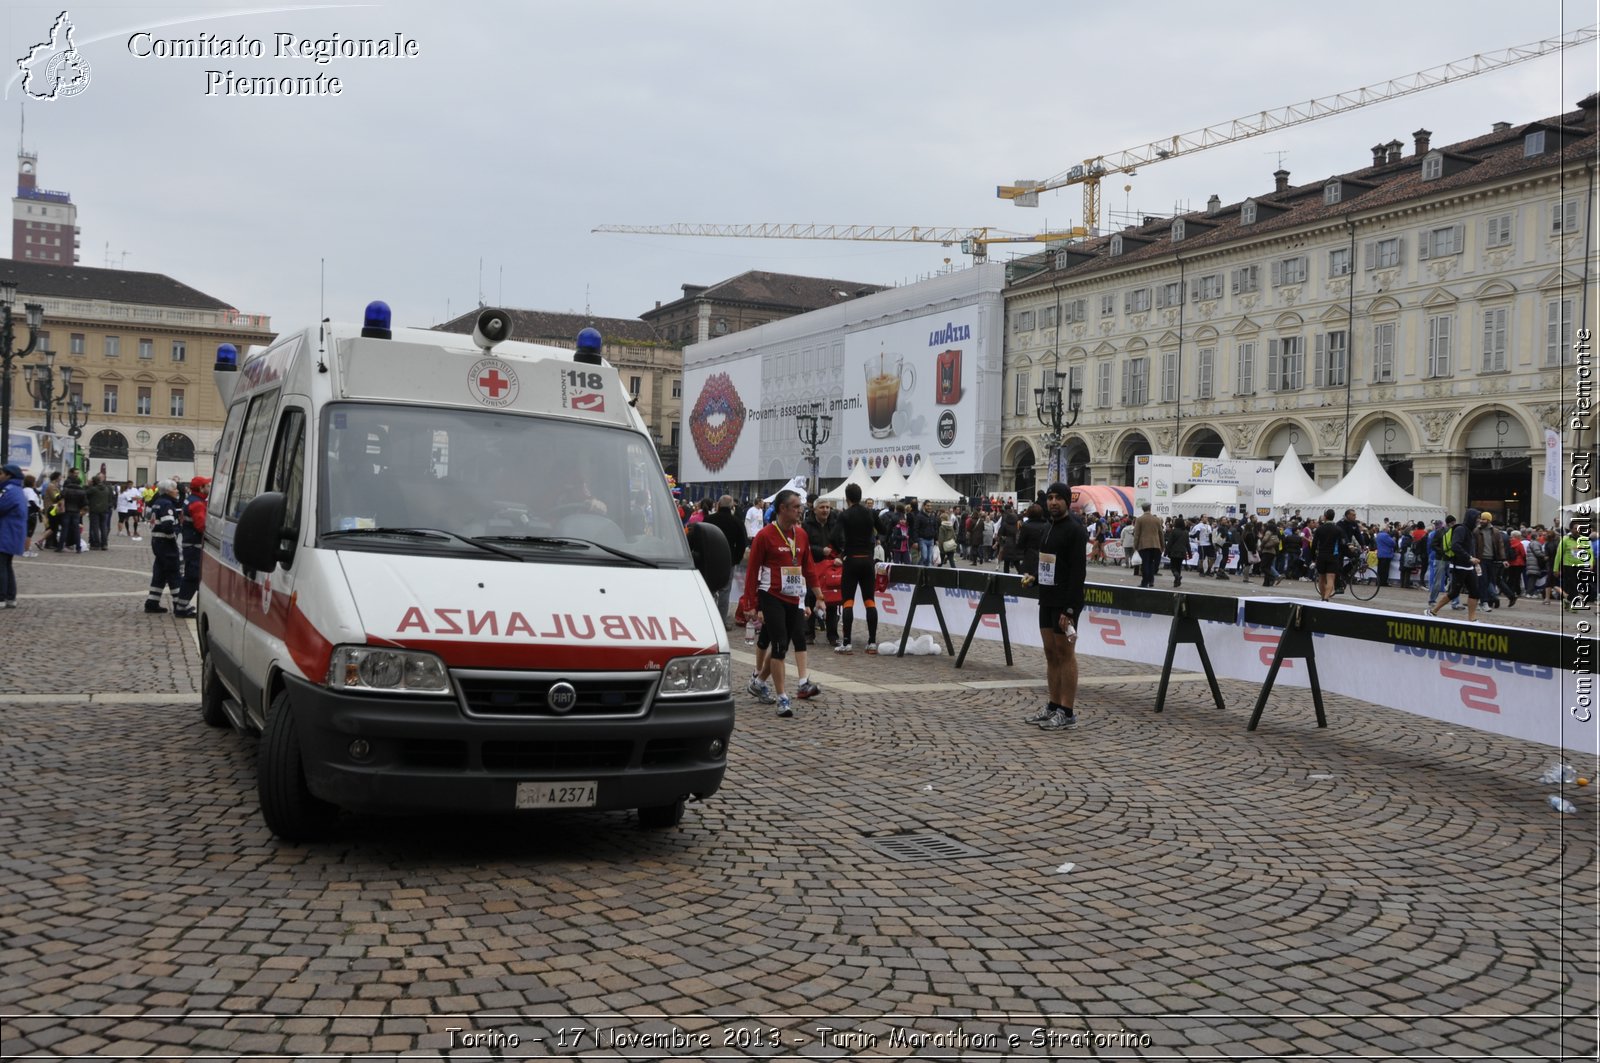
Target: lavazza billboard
x,y
908,374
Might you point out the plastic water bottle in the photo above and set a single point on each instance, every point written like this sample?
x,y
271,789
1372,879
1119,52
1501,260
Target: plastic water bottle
x,y
1560,804
750,632
1565,773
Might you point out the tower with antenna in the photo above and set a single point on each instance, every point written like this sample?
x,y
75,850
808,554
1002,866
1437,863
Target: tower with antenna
x,y
44,223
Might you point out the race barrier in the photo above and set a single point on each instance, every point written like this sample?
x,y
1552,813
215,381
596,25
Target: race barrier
x,y
1535,685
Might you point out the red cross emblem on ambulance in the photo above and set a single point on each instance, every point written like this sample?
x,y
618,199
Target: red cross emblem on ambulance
x,y
493,382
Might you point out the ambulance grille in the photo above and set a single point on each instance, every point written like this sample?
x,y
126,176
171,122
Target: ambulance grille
x,y
599,694
556,756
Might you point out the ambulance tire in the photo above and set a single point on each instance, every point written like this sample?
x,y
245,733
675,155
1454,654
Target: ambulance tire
x,y
661,817
291,810
212,692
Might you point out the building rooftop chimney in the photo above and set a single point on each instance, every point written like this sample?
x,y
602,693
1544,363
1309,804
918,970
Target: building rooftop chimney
x,y
1213,204
1378,153
1395,148
1423,136
1281,178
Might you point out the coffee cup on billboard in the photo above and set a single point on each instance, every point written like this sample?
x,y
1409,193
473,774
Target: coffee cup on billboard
x,y
887,378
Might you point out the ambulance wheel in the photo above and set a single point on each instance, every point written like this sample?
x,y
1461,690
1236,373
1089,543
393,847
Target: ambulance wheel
x,y
212,692
661,817
291,810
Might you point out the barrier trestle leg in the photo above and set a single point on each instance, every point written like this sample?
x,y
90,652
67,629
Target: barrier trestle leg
x,y
1186,629
924,593
992,603
1295,642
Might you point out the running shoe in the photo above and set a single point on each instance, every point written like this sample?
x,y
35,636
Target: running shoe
x,y
784,708
756,688
1041,716
807,690
1060,720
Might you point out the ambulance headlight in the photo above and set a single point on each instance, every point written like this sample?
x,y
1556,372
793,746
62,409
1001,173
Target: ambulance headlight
x,y
371,669
695,677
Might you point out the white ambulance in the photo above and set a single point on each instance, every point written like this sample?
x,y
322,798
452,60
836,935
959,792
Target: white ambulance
x,y
446,573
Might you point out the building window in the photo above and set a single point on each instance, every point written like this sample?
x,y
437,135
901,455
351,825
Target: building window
x,y
1339,262
1433,166
1024,321
1102,384
1108,305
1494,339
1116,244
1332,192
1247,213
1564,217
1137,301
1208,287
147,349
77,343
1383,353
672,334
1246,279
1558,332
1136,381
1439,332
1332,360
1169,376
634,383
1170,294
1289,271
1077,310
1020,407
677,432
75,396
1497,231
1286,370
1047,317
1177,230
144,402
113,346
1533,144
180,351
677,387
1245,369
108,401
176,409
1384,254
1207,372
1437,243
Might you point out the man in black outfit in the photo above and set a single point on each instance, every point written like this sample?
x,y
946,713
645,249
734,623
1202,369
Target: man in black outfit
x,y
732,529
854,535
1063,567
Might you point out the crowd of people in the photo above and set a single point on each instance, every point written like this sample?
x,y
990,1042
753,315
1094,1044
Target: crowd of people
x,y
65,514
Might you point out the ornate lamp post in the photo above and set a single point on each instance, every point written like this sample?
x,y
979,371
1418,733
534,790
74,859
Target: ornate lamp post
x,y
35,312
813,430
1057,408
40,381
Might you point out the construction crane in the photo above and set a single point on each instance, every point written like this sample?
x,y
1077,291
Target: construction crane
x,y
1092,170
973,241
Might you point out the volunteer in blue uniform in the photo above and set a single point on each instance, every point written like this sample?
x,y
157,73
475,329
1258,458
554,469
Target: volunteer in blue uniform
x,y
191,535
166,517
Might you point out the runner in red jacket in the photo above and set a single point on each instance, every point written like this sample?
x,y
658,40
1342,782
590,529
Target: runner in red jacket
x,y
780,572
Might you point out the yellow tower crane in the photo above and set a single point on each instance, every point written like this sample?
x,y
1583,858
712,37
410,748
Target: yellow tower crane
x,y
973,241
1090,172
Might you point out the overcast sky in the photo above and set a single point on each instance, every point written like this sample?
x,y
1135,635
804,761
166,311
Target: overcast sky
x,y
521,126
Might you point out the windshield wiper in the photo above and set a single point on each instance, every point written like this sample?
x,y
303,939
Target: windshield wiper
x,y
565,541
429,533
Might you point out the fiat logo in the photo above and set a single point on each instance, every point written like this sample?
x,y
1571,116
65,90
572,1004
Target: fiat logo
x,y
563,697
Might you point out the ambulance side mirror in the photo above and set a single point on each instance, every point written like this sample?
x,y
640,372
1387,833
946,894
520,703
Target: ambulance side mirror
x,y
711,556
258,538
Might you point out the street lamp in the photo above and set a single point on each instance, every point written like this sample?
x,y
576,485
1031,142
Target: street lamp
x,y
40,380
1057,408
813,430
77,420
35,312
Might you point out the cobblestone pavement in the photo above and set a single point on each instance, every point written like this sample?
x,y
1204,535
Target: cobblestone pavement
x,y
1145,887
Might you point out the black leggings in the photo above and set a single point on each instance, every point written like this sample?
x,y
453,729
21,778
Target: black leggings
x,y
783,624
859,573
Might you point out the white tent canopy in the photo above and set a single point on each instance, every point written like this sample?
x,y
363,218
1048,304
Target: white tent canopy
x,y
796,483
858,475
891,486
1369,491
1207,499
925,485
1581,509
1291,487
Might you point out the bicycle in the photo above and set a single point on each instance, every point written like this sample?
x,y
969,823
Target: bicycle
x,y
1354,575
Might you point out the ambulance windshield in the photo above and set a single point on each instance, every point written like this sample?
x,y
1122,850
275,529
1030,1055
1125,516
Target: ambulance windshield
x,y
495,477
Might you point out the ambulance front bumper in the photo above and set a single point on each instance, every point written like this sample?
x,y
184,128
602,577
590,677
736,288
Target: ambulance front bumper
x,y
397,753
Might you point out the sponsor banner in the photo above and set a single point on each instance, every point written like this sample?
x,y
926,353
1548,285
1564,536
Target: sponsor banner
x,y
915,391
1157,477
1444,673
723,412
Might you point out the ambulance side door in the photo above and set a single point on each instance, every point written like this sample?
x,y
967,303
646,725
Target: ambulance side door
x,y
285,472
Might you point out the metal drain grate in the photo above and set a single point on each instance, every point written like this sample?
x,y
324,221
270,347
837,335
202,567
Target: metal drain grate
x,y
923,847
